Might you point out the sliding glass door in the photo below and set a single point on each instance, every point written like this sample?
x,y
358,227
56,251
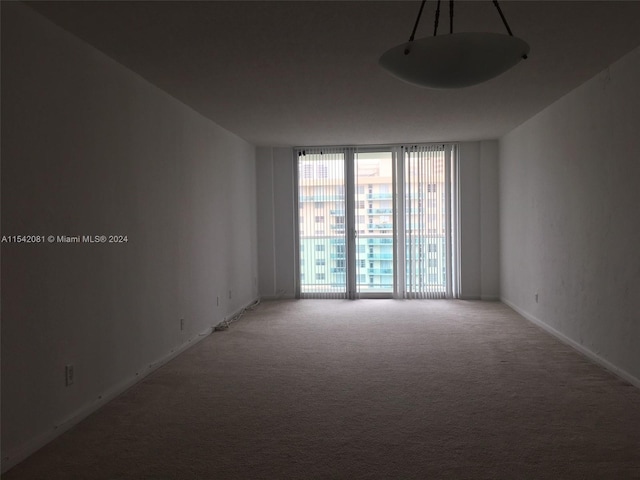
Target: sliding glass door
x,y
322,239
374,225
376,222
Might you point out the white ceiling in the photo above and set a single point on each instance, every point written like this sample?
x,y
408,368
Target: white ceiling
x,y
305,72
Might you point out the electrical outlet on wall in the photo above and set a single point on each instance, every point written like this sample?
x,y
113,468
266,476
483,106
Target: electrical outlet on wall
x,y
182,324
229,293
536,297
68,375
217,301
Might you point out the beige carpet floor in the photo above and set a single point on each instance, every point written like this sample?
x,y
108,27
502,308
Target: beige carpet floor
x,y
377,389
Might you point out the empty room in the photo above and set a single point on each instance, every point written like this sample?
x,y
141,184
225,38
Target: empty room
x,y
320,239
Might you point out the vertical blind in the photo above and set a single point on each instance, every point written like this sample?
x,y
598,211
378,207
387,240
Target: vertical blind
x,y
322,248
427,221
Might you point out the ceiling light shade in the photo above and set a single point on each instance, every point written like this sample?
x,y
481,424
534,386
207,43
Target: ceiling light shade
x,y
455,60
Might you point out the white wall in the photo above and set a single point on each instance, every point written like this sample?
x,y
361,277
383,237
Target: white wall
x,y
90,148
479,221
570,227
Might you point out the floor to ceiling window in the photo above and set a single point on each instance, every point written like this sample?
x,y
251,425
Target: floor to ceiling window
x,y
377,222
428,222
373,222
321,224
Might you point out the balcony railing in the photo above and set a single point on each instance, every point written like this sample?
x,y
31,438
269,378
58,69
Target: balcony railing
x,y
380,256
380,271
379,226
376,241
321,198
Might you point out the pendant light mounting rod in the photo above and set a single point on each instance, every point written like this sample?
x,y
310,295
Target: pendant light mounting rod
x,y
415,27
504,20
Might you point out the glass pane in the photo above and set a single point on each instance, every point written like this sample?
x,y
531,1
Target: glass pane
x,y
374,222
425,221
322,224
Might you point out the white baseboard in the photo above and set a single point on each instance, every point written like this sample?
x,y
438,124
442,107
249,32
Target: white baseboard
x,y
623,374
240,310
278,297
16,455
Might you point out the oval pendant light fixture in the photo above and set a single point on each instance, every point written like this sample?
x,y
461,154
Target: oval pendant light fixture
x,y
454,60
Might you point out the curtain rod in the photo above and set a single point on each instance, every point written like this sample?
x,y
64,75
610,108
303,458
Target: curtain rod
x,y
383,145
